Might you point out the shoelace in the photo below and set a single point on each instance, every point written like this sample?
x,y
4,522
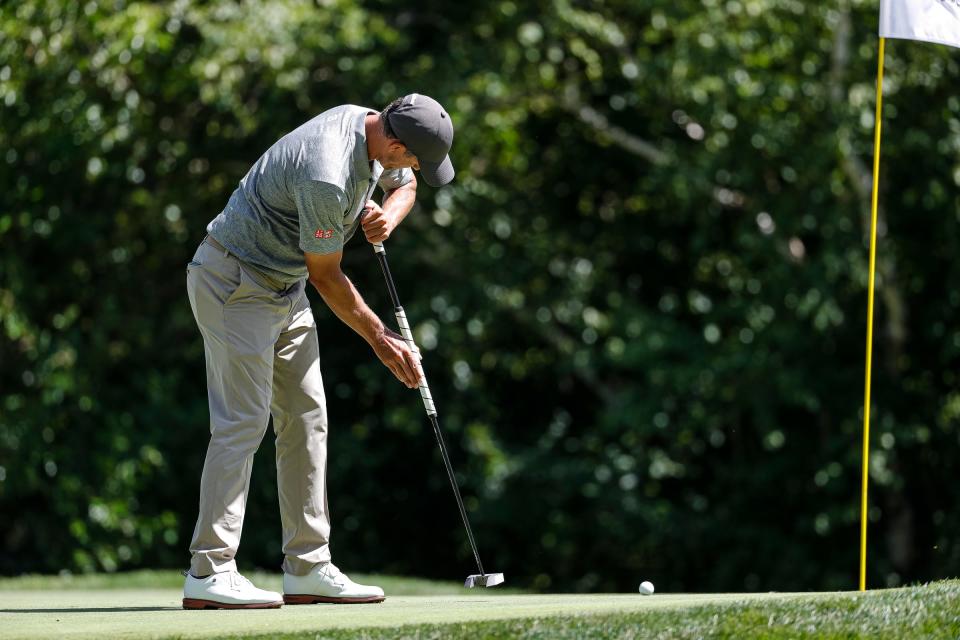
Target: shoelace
x,y
237,581
334,573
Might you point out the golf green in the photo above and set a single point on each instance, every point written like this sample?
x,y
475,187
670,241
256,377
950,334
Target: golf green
x,y
156,613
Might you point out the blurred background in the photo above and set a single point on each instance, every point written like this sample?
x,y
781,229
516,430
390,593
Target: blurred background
x,y
642,302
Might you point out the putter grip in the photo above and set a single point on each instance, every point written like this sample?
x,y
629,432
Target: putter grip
x,y
408,336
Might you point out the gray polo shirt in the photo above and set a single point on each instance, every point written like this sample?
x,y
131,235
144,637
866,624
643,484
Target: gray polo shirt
x,y
304,194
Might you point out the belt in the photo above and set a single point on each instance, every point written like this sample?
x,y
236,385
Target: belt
x,y
216,245
264,280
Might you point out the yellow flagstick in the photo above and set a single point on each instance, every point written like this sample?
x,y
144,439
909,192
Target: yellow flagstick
x,y
873,263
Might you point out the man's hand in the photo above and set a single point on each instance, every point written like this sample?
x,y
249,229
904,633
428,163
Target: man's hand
x,y
394,352
377,223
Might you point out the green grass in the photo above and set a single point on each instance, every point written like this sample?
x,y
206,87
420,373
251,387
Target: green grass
x,y
147,605
174,580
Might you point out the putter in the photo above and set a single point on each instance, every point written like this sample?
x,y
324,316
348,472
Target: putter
x,y
481,579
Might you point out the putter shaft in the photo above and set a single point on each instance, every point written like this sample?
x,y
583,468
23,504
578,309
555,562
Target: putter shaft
x,y
426,396
424,387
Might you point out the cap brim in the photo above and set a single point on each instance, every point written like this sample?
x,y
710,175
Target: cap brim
x,y
437,174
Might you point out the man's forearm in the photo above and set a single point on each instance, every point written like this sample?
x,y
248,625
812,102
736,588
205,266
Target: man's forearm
x,y
348,305
399,202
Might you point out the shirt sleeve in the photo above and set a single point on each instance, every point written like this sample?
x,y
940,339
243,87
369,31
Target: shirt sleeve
x,y
321,208
395,178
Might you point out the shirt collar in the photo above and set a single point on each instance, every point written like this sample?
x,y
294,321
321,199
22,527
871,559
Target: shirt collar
x,y
361,164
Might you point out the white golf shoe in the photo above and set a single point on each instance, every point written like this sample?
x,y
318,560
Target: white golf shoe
x,y
325,583
228,590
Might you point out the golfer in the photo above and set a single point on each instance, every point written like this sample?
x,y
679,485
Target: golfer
x,y
284,225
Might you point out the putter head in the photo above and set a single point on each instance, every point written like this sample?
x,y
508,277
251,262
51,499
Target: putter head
x,y
483,580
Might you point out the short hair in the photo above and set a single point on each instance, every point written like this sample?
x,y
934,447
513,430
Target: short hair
x,y
385,118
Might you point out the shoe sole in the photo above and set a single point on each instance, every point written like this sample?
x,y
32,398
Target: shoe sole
x,y
295,598
193,603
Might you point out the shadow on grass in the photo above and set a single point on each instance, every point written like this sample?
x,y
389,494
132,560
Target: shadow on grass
x,y
92,610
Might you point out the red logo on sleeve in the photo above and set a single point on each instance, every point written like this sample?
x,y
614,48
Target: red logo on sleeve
x,y
323,234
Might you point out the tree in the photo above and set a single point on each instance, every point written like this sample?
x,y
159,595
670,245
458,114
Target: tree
x,y
640,303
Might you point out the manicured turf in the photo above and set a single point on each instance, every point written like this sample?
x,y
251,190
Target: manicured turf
x,y
107,607
174,580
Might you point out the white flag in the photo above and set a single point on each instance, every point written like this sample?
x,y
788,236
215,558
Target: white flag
x,y
928,20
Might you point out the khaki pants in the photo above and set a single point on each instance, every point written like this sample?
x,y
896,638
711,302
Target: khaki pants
x,y
262,354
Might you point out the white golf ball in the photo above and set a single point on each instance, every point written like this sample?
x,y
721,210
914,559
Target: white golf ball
x,y
646,588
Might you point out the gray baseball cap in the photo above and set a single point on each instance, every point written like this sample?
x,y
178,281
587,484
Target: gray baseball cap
x,y
427,131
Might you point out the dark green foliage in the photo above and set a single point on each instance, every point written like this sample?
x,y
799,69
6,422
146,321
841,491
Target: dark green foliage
x,y
641,302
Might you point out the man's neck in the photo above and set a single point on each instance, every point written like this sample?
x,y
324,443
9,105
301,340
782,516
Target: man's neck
x,y
374,136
